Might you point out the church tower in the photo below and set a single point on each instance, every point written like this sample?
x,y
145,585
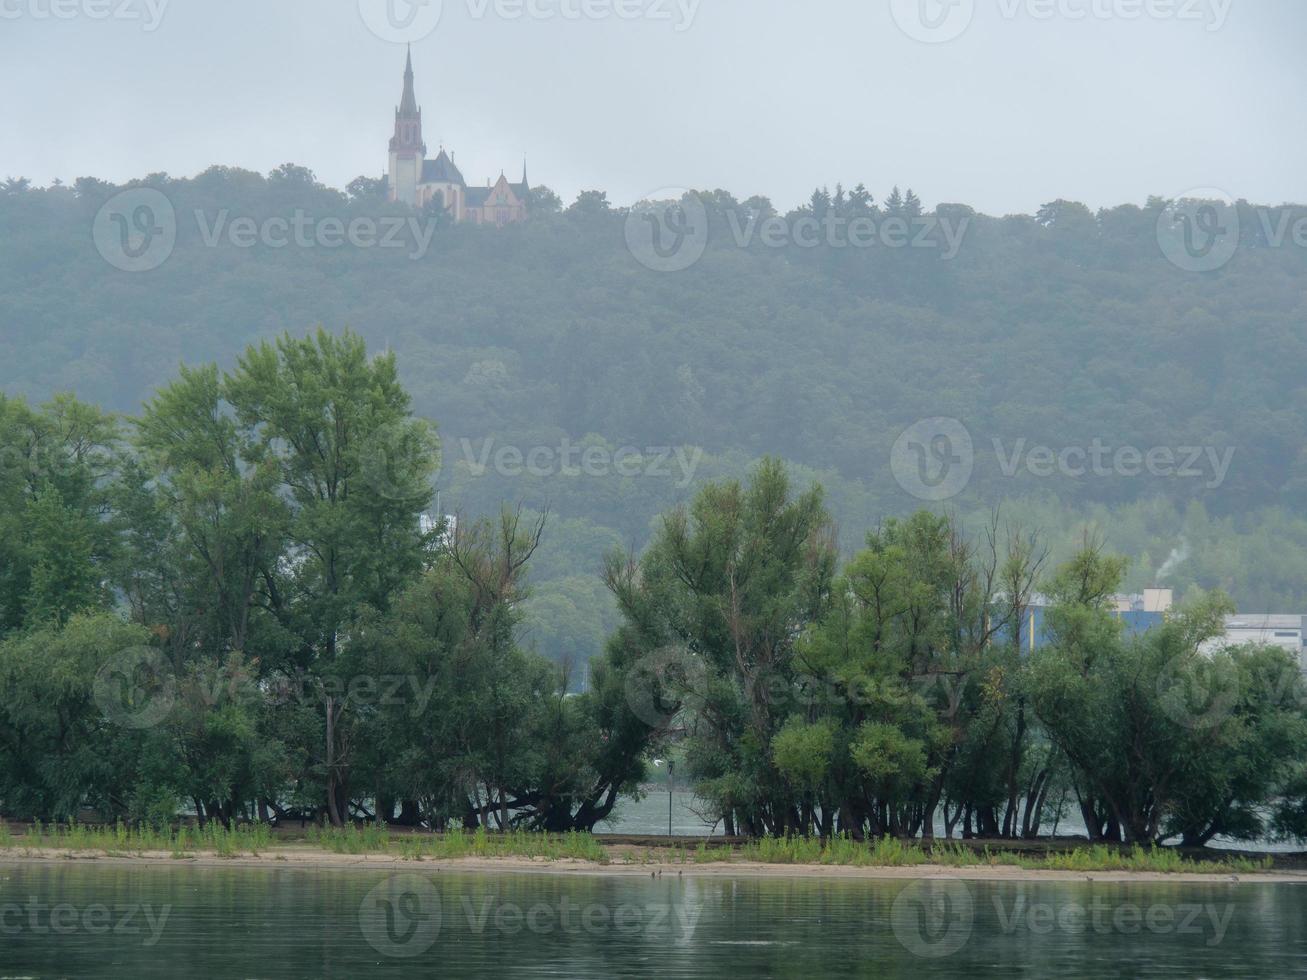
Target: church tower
x,y
407,151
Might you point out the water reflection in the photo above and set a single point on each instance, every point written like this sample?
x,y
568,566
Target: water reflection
x,y
133,921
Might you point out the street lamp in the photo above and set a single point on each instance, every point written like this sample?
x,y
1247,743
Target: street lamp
x,y
671,769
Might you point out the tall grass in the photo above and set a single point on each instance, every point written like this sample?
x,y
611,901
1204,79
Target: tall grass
x,y
459,843
890,852
885,852
121,839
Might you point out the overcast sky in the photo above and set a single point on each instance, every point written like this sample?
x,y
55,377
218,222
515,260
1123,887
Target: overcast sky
x,y
1001,104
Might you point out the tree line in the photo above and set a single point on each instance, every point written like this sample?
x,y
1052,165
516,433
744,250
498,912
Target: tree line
x,y
236,604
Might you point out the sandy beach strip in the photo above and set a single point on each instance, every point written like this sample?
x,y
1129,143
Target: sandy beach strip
x,y
312,859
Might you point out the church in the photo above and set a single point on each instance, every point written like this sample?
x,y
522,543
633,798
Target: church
x,y
417,181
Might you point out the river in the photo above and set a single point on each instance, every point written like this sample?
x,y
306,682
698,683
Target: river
x,y
137,921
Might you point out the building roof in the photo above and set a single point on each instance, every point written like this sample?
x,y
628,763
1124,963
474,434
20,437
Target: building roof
x,y
441,170
477,196
1263,621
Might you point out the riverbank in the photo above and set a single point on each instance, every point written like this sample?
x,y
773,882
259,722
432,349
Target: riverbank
x,y
372,848
312,859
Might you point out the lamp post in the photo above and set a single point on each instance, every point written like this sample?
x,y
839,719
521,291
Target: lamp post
x,y
671,769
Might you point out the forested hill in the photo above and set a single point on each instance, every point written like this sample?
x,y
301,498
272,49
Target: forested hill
x,y
1065,330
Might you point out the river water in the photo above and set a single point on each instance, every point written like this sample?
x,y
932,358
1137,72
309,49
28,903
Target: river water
x,y
133,921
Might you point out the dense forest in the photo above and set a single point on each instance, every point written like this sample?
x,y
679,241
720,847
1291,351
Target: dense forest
x,y
1056,329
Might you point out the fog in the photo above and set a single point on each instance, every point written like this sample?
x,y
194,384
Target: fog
x,y
1103,101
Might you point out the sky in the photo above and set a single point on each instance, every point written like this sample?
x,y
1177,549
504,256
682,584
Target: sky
x,y
1000,104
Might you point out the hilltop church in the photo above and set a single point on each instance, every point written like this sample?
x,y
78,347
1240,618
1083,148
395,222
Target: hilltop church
x,y
417,181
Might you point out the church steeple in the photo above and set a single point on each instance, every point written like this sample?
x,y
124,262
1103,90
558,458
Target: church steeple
x,y
407,151
408,118
408,105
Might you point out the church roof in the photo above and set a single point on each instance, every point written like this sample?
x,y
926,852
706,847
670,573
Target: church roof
x,y
478,196
441,170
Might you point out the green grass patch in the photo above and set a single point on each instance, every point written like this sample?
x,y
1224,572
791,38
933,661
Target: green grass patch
x,y
121,839
890,852
885,852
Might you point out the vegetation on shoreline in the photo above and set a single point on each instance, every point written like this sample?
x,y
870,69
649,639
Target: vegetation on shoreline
x,y
258,840
234,608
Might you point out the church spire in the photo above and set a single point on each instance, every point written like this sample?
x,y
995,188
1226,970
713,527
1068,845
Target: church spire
x,y
408,117
408,106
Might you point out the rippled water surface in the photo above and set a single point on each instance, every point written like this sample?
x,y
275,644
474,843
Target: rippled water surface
x,y
106,920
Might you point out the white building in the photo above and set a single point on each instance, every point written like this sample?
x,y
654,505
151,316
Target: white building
x,y
1285,632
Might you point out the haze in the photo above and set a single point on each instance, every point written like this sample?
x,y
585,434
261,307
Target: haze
x,y
1102,101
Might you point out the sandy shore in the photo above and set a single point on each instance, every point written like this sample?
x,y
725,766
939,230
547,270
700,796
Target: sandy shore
x,y
304,858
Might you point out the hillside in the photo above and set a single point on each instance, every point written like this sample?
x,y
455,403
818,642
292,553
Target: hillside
x,y
1066,330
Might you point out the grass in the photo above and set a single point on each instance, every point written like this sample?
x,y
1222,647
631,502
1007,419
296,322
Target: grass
x,y
459,844
885,852
121,839
890,852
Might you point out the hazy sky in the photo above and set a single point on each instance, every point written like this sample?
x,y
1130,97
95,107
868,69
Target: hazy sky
x,y
1103,101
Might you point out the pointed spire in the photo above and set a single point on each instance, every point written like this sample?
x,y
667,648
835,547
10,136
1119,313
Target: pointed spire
x,y
408,106
525,182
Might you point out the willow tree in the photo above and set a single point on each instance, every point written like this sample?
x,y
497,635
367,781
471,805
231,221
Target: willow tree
x,y
728,586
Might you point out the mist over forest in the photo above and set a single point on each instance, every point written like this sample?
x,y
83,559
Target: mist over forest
x,y
1066,328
